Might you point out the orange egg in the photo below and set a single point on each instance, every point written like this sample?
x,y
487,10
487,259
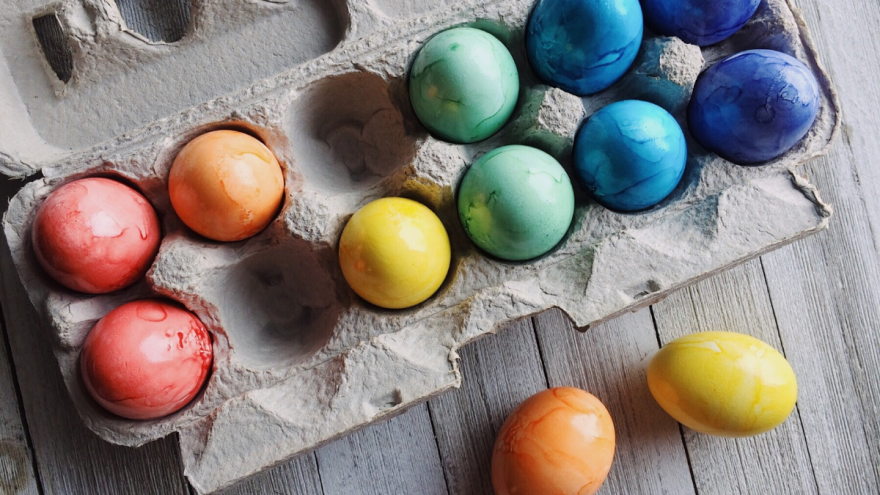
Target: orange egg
x,y
559,441
226,185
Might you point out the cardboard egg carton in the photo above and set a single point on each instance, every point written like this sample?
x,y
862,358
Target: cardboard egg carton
x,y
299,358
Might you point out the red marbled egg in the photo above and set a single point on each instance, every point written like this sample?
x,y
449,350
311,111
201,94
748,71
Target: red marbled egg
x,y
146,359
96,235
559,441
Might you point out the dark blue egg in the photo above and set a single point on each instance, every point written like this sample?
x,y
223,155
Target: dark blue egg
x,y
701,22
630,155
753,106
583,46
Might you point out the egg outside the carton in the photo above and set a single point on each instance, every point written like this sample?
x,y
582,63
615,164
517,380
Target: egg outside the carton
x,y
395,253
96,235
146,359
723,383
226,185
558,442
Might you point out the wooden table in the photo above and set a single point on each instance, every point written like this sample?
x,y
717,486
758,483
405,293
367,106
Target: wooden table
x,y
817,301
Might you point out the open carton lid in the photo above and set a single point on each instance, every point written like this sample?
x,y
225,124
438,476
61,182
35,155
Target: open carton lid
x,y
105,80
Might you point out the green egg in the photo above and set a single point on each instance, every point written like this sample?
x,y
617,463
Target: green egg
x,y
463,85
516,203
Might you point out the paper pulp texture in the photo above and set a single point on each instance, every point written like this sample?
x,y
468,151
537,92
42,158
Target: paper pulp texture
x,y
299,359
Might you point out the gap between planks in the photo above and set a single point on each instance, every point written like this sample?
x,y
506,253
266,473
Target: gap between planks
x,y
18,466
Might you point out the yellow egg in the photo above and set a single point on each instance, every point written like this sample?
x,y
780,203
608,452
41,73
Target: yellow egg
x,y
723,383
395,253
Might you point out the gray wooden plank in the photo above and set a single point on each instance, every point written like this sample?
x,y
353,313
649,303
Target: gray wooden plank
x,y
824,290
71,459
776,462
498,373
395,456
611,361
165,21
299,476
17,475
820,311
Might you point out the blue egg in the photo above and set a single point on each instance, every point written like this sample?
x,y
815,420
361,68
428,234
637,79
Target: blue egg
x,y
630,155
583,46
753,106
701,22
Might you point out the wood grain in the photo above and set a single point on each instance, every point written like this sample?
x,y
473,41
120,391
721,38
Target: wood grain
x,y
498,373
17,475
777,462
165,21
825,289
298,476
395,456
610,361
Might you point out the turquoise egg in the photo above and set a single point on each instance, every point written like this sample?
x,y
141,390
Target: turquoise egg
x,y
463,85
516,203
630,155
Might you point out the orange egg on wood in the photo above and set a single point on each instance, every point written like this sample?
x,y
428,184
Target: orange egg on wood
x,y
226,185
560,441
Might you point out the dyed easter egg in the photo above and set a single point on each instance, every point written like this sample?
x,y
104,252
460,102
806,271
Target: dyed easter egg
x,y
96,235
463,85
700,22
754,106
146,359
516,203
395,253
558,442
630,155
226,185
723,383
583,46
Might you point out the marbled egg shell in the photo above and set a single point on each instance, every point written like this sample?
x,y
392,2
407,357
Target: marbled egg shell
x,y
583,46
630,155
516,202
558,442
723,383
700,22
463,85
754,106
395,253
96,235
146,359
226,185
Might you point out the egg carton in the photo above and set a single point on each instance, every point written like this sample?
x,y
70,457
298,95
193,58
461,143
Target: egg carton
x,y
299,359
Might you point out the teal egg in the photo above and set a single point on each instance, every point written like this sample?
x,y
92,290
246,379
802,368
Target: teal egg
x,y
516,203
463,85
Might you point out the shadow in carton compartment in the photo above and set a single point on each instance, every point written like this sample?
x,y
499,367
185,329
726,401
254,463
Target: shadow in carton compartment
x,y
348,132
279,306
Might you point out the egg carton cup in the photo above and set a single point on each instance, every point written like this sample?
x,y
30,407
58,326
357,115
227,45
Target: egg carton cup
x,y
299,359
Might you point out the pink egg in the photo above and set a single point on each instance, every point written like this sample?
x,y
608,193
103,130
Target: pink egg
x,y
146,359
96,235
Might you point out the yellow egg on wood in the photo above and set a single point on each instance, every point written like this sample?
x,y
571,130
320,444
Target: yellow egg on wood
x,y
722,383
